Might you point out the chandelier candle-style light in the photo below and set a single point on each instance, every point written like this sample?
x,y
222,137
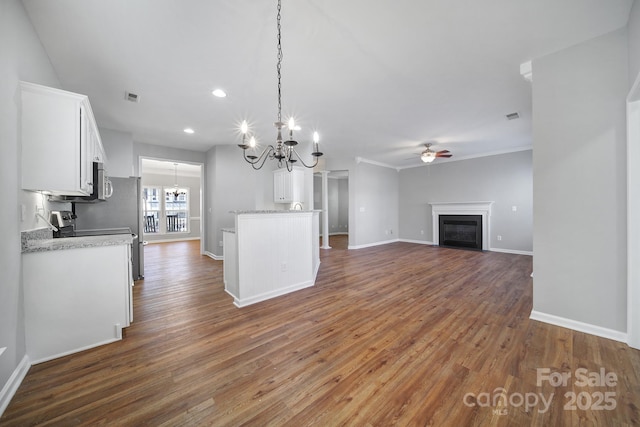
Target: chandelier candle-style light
x,y
284,151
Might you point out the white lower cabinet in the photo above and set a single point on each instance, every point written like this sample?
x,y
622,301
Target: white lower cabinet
x,y
75,299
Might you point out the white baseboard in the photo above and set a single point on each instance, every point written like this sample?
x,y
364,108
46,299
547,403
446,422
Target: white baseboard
x,y
511,251
271,294
420,242
214,256
368,245
579,326
10,388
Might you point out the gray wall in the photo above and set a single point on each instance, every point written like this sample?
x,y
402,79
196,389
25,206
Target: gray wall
x,y
22,57
634,42
505,179
193,184
579,169
118,147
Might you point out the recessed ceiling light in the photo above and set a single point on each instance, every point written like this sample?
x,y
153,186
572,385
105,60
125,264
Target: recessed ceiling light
x,y
219,93
188,130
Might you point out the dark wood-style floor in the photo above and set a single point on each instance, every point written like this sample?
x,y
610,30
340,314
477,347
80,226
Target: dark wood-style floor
x,y
400,334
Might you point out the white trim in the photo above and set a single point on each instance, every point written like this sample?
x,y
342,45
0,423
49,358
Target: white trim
x,y
511,251
419,242
368,245
12,384
214,256
239,302
579,326
462,208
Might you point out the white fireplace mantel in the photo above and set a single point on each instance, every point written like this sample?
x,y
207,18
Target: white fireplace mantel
x,y
462,208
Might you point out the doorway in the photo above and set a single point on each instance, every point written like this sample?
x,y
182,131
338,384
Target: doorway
x,y
337,209
172,200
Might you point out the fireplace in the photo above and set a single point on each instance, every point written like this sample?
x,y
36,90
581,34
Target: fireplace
x,y
482,209
461,231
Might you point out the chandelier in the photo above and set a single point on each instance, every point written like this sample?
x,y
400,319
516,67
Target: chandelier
x,y
175,191
283,151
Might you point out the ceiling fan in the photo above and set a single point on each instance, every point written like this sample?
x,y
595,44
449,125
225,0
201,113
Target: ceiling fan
x,y
429,155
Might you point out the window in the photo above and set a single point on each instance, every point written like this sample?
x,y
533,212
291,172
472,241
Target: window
x,y
176,202
166,210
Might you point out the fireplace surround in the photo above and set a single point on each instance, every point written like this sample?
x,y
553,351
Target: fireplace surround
x,y
482,209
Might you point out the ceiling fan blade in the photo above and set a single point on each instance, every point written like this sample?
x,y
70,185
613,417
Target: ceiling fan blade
x,y
443,151
443,155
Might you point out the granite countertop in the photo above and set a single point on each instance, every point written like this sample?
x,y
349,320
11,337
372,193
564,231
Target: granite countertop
x,y
44,245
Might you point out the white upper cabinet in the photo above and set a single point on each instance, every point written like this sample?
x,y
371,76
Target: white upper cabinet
x,y
288,187
60,141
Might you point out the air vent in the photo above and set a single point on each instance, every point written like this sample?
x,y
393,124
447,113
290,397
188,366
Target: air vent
x,y
512,116
131,97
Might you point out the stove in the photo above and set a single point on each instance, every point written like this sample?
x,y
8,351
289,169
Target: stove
x,y
65,222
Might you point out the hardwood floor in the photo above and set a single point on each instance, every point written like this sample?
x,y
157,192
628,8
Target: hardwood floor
x,y
400,334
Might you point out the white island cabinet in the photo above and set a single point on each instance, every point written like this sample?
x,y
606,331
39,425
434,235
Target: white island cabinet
x,y
76,298
270,253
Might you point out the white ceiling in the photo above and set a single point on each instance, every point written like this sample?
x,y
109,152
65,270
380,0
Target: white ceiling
x,y
376,79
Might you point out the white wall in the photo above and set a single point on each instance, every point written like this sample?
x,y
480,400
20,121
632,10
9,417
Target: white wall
x,y
579,170
505,179
22,57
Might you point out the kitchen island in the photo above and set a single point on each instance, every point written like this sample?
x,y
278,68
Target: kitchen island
x,y
270,253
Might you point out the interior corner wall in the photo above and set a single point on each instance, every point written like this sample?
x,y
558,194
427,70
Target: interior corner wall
x,y
579,176
375,205
504,179
22,57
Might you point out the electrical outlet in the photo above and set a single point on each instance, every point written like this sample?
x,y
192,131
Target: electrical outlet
x,y
514,208
220,243
499,237
283,266
421,231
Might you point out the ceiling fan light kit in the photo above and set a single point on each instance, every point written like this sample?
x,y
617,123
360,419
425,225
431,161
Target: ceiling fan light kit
x,y
429,155
284,151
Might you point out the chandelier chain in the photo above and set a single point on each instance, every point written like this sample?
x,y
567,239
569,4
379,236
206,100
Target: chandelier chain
x,y
279,66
